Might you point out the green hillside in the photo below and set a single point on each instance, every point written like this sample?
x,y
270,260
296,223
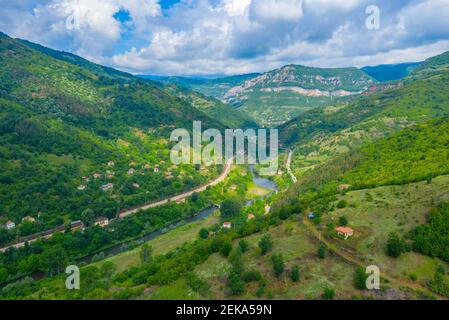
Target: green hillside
x,y
63,119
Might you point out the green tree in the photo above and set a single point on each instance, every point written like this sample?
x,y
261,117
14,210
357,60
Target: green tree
x,y
322,251
278,264
265,244
395,245
243,244
226,248
294,274
342,204
236,284
53,260
146,253
88,217
328,294
107,269
360,277
204,234
231,206
343,221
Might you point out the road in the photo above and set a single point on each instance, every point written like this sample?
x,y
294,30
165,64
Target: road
x,y
353,260
126,213
289,169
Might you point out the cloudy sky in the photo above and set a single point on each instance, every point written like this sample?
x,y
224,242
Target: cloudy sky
x,y
223,37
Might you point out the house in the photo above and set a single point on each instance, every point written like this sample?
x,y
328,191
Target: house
x,y
251,216
227,225
111,164
345,232
76,225
96,175
147,166
81,187
131,171
132,164
28,219
102,221
106,187
311,216
136,185
156,169
10,225
344,187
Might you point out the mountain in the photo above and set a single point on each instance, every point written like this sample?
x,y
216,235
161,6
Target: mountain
x,y
432,65
215,109
391,72
182,81
321,134
69,126
280,95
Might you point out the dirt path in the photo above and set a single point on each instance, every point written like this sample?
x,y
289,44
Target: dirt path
x,y
353,260
289,169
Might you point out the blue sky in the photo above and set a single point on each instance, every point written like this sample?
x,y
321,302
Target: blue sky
x,y
223,37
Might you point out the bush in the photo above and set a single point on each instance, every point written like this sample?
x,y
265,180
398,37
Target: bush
x,y
322,251
236,285
342,204
243,244
328,294
343,221
231,206
226,248
251,276
360,279
265,244
278,264
204,234
294,274
395,246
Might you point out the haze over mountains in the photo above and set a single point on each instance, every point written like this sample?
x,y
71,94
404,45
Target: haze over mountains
x,y
275,97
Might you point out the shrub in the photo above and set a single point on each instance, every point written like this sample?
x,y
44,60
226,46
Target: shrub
x,y
294,274
278,264
265,244
251,276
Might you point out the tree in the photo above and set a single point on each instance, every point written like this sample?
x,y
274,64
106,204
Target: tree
x,y
294,274
226,248
243,244
342,204
231,206
107,269
251,276
360,279
88,217
278,264
343,221
395,245
265,244
328,294
236,284
322,251
146,253
53,260
204,234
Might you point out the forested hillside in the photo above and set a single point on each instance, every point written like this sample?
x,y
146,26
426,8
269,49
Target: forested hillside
x,y
76,136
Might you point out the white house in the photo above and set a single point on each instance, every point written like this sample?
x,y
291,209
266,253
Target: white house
x,y
106,187
10,225
227,225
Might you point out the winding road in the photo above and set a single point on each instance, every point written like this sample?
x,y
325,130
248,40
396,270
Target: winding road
x,y
126,213
289,169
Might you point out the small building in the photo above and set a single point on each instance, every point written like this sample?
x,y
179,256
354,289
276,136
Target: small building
x,y
28,219
345,232
132,164
311,215
102,221
10,225
76,225
147,166
131,171
156,170
136,185
108,186
97,175
251,216
344,187
227,225
81,187
111,164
